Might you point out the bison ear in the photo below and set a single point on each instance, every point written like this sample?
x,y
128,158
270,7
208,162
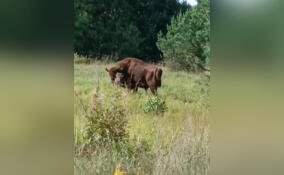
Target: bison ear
x,y
107,69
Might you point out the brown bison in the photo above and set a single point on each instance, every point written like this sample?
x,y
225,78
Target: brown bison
x,y
137,73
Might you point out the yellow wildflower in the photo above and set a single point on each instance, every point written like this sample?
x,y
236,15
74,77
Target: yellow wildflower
x,y
117,171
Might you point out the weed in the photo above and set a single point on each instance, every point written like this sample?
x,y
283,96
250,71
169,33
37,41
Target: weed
x,y
155,104
105,124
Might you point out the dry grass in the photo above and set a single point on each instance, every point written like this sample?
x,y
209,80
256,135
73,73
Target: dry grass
x,y
173,143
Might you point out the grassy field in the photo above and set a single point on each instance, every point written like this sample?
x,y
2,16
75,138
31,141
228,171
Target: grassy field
x,y
137,132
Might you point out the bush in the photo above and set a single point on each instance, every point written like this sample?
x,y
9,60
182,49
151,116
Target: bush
x,y
155,104
106,142
105,123
187,42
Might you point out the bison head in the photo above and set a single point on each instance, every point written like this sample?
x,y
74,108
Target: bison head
x,y
119,79
113,71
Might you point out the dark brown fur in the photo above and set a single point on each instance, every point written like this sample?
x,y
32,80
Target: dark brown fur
x,y
137,74
122,67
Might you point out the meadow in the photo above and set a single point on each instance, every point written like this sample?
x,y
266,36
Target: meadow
x,y
136,132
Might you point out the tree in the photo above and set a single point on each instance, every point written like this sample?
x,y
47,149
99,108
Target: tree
x,y
187,42
153,16
104,28
81,20
118,28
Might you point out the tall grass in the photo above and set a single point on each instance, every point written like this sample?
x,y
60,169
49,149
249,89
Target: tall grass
x,y
149,143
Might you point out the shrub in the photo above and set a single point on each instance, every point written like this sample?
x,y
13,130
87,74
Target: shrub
x,y
187,43
106,140
155,104
105,122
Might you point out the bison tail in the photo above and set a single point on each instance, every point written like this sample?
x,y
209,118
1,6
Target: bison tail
x,y
158,76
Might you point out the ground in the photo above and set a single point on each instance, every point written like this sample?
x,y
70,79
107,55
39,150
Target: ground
x,y
170,138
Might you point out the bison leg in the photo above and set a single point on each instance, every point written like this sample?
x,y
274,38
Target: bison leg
x,y
146,88
152,85
136,86
128,84
153,89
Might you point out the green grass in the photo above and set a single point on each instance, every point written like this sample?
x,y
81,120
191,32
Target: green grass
x,y
175,142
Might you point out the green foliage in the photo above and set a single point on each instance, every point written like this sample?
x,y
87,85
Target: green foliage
x,y
118,28
108,122
81,27
105,122
187,42
155,104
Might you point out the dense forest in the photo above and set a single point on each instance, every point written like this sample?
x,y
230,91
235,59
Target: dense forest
x,y
116,29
